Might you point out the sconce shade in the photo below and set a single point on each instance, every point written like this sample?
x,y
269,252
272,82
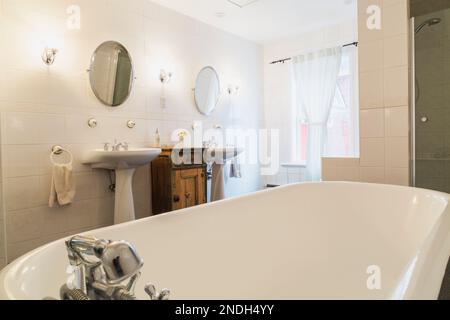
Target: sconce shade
x,y
49,56
165,76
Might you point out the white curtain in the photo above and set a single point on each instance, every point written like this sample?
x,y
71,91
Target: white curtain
x,y
315,80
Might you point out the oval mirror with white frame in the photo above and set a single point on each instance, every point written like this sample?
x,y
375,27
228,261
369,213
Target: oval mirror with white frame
x,y
207,90
111,73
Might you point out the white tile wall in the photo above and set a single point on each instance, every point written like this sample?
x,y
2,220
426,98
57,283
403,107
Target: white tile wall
x,y
371,89
341,169
372,152
373,174
372,123
43,106
384,98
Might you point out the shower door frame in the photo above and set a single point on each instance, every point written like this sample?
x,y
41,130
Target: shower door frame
x,y
413,102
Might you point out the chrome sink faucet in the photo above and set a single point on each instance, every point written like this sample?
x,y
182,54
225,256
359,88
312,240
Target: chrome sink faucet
x,y
105,270
121,146
210,144
117,146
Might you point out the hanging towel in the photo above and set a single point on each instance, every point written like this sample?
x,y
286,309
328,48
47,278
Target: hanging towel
x,y
235,169
218,183
63,187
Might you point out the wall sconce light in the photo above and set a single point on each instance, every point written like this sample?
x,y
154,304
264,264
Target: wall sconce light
x,y
49,55
233,90
165,78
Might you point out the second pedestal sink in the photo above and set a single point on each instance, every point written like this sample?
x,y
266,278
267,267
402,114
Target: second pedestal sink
x,y
225,153
124,162
217,157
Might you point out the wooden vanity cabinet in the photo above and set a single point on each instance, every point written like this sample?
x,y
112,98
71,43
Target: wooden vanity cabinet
x,y
176,187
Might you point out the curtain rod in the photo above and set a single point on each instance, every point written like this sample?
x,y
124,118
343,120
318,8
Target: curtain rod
x,y
288,59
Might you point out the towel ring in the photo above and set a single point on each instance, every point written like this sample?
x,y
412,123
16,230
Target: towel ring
x,y
58,150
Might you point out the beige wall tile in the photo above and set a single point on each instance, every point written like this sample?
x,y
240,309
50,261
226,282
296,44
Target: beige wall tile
x,y
347,162
21,193
366,34
372,152
396,87
328,162
398,176
395,18
53,220
82,214
105,212
371,56
397,152
372,123
397,122
340,162
33,128
373,174
371,89
329,173
23,226
349,174
342,174
340,169
396,51
22,160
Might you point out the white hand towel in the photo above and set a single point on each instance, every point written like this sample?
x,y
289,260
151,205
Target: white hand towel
x,y
63,187
218,183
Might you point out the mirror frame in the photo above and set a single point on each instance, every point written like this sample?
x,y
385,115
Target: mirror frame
x,y
94,90
218,96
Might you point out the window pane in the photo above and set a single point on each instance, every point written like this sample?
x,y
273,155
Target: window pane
x,y
303,141
341,129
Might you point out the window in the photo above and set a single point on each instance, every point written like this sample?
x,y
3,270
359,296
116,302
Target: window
x,y
343,124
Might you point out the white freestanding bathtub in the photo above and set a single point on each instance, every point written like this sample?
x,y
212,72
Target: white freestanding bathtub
x,y
305,241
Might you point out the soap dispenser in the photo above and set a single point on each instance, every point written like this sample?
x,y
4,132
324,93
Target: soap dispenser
x,y
157,139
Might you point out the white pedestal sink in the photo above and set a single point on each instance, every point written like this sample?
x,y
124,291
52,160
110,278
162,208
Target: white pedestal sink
x,y
124,163
218,157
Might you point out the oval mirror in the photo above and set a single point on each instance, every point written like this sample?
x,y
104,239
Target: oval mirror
x,y
111,73
207,90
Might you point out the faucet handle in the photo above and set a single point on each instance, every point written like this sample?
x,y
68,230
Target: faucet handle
x,y
106,146
150,289
126,145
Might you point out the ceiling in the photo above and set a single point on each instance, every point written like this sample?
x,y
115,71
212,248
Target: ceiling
x,y
265,21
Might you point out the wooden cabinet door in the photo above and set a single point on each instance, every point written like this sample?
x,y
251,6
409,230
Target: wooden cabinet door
x,y
201,187
189,188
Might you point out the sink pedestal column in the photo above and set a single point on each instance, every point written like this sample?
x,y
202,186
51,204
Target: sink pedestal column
x,y
218,182
124,204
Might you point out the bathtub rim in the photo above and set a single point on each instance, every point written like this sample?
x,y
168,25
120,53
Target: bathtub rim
x,y
415,281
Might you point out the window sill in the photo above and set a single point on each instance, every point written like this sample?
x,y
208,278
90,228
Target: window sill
x,y
294,165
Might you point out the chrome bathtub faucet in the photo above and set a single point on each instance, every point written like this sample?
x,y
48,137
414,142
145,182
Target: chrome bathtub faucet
x,y
105,270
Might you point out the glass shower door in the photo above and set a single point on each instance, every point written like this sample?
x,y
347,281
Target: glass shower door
x,y
432,101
